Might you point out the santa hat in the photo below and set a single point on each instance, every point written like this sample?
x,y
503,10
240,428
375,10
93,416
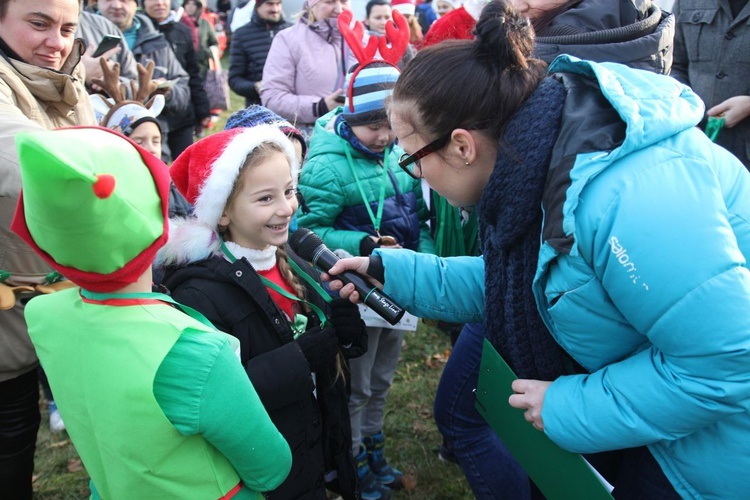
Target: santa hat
x,y
205,173
405,7
93,204
457,24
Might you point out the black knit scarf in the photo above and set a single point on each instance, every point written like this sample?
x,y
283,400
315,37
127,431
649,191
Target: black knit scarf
x,y
510,222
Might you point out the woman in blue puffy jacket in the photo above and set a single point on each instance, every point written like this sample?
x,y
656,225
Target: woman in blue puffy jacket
x,y
614,238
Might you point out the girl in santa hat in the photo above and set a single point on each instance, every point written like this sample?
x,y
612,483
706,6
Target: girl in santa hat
x,y
231,262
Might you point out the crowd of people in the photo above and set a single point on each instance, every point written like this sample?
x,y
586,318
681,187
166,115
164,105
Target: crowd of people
x,y
567,179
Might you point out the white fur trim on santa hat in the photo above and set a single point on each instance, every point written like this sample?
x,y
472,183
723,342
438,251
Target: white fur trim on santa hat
x,y
406,7
210,203
189,241
475,7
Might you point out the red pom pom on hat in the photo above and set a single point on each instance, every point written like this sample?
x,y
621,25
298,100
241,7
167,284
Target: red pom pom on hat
x,y
104,186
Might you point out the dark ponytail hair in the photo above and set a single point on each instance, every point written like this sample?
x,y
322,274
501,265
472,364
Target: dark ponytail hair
x,y
479,83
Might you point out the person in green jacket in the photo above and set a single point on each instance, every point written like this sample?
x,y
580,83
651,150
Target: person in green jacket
x,y
154,397
358,200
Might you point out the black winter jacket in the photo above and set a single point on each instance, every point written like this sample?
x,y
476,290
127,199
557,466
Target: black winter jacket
x,y
181,41
248,53
233,298
630,32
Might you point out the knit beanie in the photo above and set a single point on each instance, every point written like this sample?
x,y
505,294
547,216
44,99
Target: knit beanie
x,y
372,80
405,7
93,204
260,115
205,173
367,87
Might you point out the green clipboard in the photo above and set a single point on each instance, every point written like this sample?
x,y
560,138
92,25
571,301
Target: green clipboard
x,y
559,474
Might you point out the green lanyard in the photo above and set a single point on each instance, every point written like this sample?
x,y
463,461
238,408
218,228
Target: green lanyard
x,y
299,325
714,126
375,219
101,297
49,279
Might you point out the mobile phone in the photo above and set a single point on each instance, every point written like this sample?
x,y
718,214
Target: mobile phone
x,y
109,42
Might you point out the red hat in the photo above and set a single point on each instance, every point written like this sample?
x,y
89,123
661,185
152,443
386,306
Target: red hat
x,y
205,174
457,24
406,7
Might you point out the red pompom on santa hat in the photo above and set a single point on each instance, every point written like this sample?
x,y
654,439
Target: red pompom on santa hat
x,y
406,7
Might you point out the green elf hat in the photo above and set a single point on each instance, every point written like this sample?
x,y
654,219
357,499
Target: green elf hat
x,y
93,204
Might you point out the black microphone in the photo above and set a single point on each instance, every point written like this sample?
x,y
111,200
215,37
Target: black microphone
x,y
310,247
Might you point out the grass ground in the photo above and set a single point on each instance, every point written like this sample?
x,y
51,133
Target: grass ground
x,y
413,439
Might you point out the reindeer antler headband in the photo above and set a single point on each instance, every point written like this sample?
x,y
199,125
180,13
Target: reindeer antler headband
x,y
120,113
390,48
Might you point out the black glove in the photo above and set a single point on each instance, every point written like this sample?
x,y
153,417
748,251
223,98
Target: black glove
x,y
319,348
346,321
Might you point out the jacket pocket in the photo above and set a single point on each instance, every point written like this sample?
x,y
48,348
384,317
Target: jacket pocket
x,y
699,34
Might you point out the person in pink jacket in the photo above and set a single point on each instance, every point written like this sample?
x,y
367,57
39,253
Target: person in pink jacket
x,y
306,66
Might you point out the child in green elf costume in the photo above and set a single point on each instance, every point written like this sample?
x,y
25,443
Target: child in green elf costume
x,y
154,398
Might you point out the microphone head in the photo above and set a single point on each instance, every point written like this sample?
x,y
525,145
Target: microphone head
x,y
304,242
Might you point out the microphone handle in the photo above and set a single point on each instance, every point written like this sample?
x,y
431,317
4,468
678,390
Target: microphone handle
x,y
373,297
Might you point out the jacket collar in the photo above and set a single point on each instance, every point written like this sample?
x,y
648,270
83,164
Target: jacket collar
x,y
256,19
55,88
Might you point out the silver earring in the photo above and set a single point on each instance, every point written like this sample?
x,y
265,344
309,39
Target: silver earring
x,y
467,163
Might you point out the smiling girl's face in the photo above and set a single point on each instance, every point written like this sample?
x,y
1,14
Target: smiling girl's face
x,y
258,212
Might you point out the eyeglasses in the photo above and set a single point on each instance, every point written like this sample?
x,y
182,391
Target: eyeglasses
x,y
412,164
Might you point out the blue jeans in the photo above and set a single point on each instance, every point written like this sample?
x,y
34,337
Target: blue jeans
x,y
490,469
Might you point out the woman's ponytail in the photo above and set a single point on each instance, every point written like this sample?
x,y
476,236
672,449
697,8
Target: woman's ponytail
x,y
503,37
462,83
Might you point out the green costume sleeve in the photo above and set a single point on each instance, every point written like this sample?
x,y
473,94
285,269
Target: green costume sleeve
x,y
203,389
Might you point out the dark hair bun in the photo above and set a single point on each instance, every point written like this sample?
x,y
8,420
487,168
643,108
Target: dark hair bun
x,y
503,36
